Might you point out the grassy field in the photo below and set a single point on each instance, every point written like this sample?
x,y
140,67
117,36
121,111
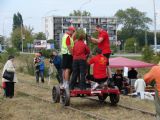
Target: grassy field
x,y
31,109
26,108
23,107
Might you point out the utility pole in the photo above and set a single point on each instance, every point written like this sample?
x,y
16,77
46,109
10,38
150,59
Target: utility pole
x,y
155,31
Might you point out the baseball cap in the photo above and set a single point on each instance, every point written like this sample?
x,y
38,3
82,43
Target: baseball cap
x,y
71,28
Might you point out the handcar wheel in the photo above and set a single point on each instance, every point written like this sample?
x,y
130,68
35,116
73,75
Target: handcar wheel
x,y
65,97
56,94
102,98
114,99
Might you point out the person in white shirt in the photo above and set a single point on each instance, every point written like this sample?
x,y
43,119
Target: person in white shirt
x,y
10,81
139,85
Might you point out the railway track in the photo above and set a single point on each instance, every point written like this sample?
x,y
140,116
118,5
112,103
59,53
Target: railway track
x,y
94,116
89,98
126,107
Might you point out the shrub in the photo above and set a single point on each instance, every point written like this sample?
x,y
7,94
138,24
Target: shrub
x,y
130,42
147,54
46,53
9,51
12,51
114,48
29,65
156,58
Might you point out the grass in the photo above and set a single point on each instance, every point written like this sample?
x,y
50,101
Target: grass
x,y
23,107
26,108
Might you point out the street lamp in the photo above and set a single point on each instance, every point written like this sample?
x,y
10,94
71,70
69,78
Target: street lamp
x,y
155,31
81,11
22,36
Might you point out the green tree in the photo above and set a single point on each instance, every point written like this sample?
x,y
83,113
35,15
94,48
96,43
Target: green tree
x,y
133,23
40,36
129,45
132,19
16,37
17,21
78,13
80,32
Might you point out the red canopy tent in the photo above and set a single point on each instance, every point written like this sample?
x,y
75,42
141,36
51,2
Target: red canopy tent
x,y
119,62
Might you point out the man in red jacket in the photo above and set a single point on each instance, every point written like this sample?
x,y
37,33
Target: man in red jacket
x,y
103,44
80,53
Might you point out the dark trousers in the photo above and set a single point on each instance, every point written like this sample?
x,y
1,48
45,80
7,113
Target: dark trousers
x,y
157,104
59,76
40,74
9,89
79,68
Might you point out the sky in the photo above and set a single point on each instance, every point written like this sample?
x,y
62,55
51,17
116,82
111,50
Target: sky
x,y
34,11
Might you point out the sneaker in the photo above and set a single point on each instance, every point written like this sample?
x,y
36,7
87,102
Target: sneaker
x,y
61,86
94,86
66,85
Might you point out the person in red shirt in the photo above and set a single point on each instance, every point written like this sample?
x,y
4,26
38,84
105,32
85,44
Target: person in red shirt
x,y
99,67
103,44
80,53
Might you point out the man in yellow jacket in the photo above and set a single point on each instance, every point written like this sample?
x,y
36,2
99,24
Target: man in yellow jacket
x,y
154,74
66,51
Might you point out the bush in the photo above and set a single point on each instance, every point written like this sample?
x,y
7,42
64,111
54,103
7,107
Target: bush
x,y
9,51
3,57
29,65
114,48
147,54
130,45
46,53
156,58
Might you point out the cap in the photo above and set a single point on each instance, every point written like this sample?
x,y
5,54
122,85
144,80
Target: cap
x,y
71,28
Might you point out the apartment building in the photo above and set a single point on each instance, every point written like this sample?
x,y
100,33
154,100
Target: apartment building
x,y
56,26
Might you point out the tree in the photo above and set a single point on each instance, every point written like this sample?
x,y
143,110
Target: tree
x,y
40,36
17,21
132,19
133,24
16,37
78,13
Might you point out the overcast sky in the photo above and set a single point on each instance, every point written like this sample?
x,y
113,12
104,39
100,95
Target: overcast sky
x,y
33,11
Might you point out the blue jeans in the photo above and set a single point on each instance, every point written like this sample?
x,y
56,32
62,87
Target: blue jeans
x,y
40,74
